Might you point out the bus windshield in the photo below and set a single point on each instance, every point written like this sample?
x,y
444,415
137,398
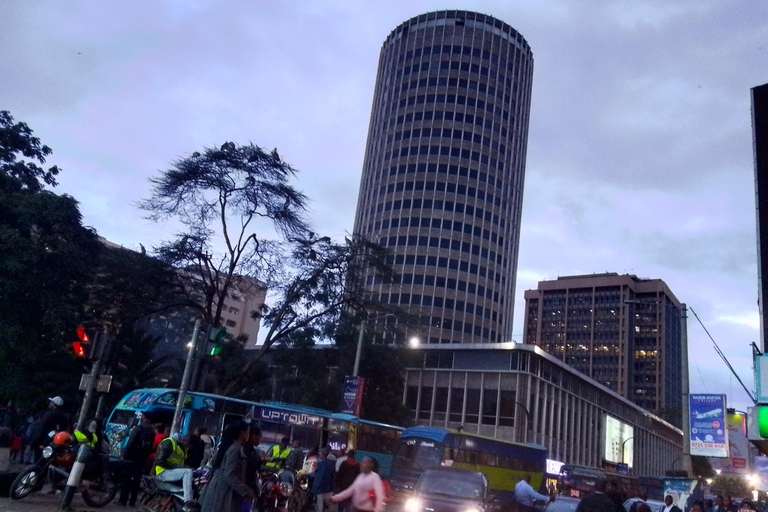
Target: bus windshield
x,y
457,485
418,454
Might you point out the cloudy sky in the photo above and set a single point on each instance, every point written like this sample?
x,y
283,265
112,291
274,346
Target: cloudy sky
x,y
639,156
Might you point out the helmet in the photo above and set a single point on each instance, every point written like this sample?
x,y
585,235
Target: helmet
x,y
62,439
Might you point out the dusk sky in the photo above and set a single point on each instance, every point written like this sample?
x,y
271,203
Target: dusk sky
x,y
639,154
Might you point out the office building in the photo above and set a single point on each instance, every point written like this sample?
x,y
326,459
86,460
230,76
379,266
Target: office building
x,y
520,393
625,332
442,181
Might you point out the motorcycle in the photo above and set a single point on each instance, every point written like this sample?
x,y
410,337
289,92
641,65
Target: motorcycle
x,y
169,496
281,492
98,485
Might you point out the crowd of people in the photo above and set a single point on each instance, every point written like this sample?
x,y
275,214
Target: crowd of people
x,y
236,464
29,431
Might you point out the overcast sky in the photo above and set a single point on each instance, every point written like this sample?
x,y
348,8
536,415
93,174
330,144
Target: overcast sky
x,y
639,156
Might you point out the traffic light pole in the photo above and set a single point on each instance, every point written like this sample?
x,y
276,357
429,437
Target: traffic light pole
x,y
89,390
175,426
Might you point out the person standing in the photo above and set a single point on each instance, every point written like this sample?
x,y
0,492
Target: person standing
x,y
669,505
322,485
295,459
255,458
137,451
598,501
227,491
196,452
525,495
345,475
367,482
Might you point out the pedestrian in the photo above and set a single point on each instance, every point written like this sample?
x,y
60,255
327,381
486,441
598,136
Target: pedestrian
x,y
728,504
669,504
366,492
16,442
525,495
137,451
341,458
345,475
54,420
196,452
322,485
31,433
598,501
227,491
295,459
746,506
255,457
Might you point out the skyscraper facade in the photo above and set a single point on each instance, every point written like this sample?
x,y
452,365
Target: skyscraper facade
x,y
442,182
625,332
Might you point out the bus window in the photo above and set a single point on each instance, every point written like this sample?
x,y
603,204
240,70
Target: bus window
x,y
210,421
307,436
418,454
125,417
274,432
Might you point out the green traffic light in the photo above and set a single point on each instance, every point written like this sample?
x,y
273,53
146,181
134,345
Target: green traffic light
x,y
762,421
215,351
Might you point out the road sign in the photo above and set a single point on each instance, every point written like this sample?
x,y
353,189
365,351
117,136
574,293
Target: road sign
x,y
102,385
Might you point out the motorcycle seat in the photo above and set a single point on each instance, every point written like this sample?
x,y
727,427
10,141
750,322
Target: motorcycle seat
x,y
172,487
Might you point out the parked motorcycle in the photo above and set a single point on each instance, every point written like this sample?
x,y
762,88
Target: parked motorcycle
x,y
280,492
169,496
98,485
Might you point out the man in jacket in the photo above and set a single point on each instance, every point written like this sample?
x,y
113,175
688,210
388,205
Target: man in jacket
x,y
54,419
169,465
345,475
669,504
278,455
136,452
322,485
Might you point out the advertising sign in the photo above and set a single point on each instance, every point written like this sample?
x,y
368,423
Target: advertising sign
x,y
619,440
684,491
291,418
709,435
738,447
352,398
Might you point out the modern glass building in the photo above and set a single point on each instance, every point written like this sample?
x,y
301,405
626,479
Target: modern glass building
x,y
442,181
625,332
520,393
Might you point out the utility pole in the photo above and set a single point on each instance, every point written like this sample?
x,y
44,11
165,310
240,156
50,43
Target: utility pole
x,y
185,378
687,463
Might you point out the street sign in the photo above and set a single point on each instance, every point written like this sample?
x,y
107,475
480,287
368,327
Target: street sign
x,y
102,385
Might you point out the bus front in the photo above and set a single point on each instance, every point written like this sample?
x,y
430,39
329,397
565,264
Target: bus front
x,y
419,449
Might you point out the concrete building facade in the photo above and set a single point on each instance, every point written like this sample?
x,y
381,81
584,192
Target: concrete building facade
x,y
520,393
624,332
442,181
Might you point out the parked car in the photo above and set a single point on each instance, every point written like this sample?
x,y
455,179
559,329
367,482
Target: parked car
x,y
450,490
656,506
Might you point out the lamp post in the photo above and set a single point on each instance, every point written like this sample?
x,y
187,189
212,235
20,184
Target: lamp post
x,y
529,421
359,352
622,448
687,465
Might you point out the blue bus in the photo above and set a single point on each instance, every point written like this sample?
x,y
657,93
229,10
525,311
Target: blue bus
x,y
503,463
311,426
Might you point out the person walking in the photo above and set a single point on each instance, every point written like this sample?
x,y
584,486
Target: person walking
x,y
525,495
322,486
227,491
137,451
345,475
366,492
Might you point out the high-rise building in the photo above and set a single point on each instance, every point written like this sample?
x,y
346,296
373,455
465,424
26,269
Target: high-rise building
x,y
442,182
625,332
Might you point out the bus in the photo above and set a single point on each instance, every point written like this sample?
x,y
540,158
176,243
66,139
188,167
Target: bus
x,y
578,481
310,425
368,438
503,463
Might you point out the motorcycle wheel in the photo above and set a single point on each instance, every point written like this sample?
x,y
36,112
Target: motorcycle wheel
x,y
161,503
26,482
101,492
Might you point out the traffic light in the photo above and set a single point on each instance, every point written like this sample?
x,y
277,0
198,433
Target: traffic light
x,y
90,342
216,337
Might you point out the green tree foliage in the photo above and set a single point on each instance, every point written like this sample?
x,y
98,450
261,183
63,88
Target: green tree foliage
x,y
46,257
701,467
735,486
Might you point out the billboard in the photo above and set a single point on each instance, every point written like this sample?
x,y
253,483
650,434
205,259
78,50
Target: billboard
x,y
709,435
619,442
738,447
352,396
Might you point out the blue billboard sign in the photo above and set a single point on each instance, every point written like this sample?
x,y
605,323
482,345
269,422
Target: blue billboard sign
x,y
709,432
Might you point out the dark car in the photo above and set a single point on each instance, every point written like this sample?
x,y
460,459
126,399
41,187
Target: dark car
x,y
450,490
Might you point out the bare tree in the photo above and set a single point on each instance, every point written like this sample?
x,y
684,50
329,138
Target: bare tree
x,y
222,193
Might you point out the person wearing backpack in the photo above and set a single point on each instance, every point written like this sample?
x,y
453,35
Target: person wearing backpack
x,y
137,451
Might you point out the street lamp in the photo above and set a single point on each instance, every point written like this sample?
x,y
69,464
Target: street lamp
x,y
622,448
414,342
356,369
687,465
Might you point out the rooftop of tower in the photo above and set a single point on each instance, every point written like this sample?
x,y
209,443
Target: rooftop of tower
x,y
460,18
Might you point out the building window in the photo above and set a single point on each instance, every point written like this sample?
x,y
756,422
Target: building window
x,y
231,323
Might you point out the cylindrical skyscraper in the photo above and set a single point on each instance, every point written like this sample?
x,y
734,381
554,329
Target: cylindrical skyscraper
x,y
442,183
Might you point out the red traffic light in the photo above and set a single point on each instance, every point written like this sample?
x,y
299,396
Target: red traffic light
x,y
79,349
82,335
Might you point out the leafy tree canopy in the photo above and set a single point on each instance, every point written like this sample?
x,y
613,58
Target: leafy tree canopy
x,y
17,174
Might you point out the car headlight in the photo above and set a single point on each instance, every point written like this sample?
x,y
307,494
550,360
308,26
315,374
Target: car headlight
x,y
413,505
286,489
472,510
47,452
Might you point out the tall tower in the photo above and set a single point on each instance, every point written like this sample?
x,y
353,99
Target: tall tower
x,y
442,183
